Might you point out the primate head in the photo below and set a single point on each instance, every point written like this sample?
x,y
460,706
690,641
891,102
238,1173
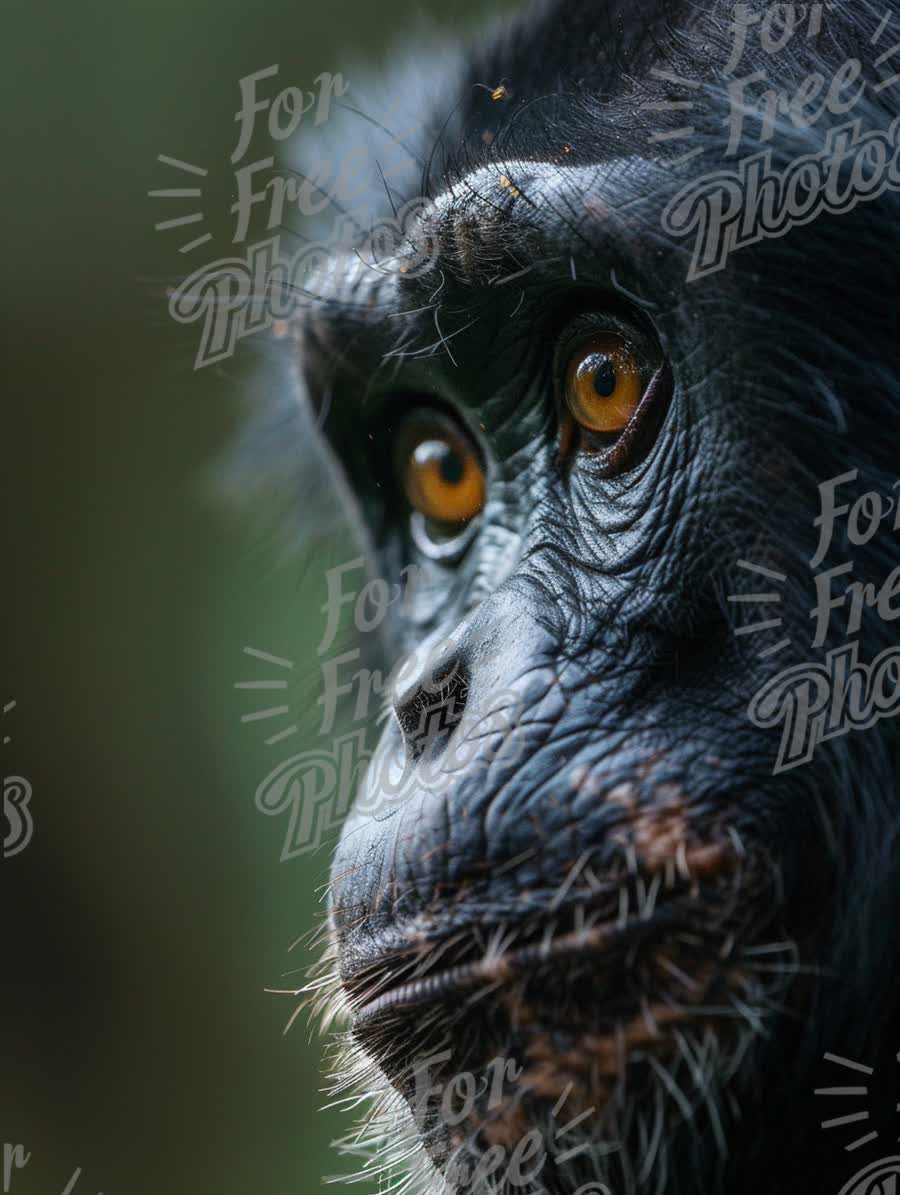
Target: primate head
x,y
622,403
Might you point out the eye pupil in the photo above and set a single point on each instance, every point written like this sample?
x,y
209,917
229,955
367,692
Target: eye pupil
x,y
603,383
604,376
452,467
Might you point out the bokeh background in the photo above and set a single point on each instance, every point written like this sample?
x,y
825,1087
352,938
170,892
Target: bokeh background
x,y
143,923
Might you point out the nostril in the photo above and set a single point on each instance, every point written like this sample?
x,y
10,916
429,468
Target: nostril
x,y
431,705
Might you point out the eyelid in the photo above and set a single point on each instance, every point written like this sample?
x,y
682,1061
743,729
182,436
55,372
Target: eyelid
x,y
638,340
451,551
638,436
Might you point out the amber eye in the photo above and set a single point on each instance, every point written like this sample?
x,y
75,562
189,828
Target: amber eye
x,y
603,383
442,476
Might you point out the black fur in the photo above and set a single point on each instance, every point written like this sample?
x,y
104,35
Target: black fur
x,y
602,602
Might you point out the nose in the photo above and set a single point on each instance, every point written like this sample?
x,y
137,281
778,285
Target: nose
x,y
430,697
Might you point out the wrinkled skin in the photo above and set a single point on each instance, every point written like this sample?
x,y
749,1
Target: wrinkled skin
x,y
619,766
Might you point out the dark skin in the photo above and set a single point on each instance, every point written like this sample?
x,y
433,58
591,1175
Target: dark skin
x,y
575,448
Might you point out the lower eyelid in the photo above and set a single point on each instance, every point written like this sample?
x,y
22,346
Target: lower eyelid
x,y
449,552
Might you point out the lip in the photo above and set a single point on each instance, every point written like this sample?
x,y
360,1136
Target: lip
x,y
451,983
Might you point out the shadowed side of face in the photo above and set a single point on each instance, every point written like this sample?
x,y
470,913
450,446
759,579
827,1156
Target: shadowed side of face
x,y
574,875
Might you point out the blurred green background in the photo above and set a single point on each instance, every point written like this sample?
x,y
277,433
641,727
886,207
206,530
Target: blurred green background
x,y
150,912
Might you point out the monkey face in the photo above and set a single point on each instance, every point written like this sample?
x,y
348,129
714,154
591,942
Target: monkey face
x,y
573,849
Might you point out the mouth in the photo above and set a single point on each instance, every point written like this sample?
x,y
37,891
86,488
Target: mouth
x,y
650,954
683,915
643,992
448,984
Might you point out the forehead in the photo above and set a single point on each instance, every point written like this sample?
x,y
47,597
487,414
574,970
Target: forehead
x,y
482,264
